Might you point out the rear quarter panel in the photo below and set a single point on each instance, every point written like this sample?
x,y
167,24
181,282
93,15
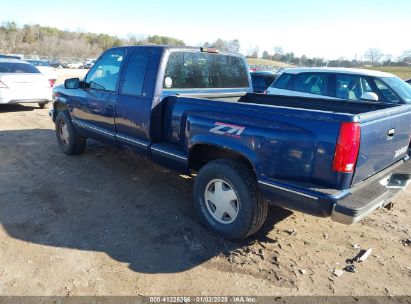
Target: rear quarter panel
x,y
280,143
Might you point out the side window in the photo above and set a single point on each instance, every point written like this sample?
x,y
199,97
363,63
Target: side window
x,y
351,87
135,72
314,83
386,92
104,74
282,81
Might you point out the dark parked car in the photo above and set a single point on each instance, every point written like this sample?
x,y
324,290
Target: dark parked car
x,y
408,81
262,80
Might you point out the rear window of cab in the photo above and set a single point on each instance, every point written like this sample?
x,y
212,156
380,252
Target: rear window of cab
x,y
198,70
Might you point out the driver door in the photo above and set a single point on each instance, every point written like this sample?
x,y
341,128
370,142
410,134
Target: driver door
x,y
94,110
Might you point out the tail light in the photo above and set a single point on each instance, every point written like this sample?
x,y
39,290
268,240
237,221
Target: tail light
x,y
2,85
51,81
348,146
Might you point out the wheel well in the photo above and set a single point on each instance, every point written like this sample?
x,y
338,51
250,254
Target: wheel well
x,y
202,154
59,106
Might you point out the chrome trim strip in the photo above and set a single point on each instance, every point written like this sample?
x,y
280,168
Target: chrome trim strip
x,y
169,153
288,190
132,141
87,126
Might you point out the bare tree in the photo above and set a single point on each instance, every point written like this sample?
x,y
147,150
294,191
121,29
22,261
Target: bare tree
x,y
253,51
225,45
233,46
278,53
406,57
373,55
388,59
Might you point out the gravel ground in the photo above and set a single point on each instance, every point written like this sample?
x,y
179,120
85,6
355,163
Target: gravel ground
x,y
111,223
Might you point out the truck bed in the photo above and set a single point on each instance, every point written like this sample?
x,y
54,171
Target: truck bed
x,y
295,136
321,104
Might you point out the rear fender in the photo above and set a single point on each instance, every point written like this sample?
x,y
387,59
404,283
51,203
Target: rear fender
x,y
232,147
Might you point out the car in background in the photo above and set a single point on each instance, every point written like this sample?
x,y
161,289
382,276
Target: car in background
x,y
88,64
22,82
75,65
9,56
408,81
56,64
262,80
342,83
46,68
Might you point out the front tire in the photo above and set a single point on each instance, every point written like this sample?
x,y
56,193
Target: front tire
x,y
43,105
70,142
228,199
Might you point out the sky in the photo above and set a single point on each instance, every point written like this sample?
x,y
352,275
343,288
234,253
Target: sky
x,y
316,28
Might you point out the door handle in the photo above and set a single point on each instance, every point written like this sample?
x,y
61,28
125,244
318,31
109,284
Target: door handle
x,y
390,134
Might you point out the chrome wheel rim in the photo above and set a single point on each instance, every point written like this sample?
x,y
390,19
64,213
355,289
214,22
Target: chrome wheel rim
x,y
64,133
221,201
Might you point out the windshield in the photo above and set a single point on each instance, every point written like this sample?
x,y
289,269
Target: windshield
x,y
187,70
400,87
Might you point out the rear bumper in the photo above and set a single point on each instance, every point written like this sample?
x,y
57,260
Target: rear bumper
x,y
17,96
351,214
369,197
344,206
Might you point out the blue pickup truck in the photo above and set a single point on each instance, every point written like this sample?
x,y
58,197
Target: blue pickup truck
x,y
192,110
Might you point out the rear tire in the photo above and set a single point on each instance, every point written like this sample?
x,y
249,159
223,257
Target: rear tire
x,y
70,142
43,105
228,199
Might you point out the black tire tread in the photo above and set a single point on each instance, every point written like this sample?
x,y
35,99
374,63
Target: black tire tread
x,y
262,206
79,142
260,212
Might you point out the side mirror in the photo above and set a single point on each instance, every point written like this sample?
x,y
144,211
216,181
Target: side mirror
x,y
369,96
72,83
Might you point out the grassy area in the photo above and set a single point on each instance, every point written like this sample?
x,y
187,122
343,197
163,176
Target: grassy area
x,y
267,62
402,72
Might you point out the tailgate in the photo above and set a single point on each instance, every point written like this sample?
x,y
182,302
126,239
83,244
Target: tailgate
x,y
385,137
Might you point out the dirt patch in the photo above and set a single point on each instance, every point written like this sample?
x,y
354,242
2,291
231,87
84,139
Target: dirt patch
x,y
109,222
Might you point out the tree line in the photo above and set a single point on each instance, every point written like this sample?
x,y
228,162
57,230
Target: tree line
x,y
53,43
373,57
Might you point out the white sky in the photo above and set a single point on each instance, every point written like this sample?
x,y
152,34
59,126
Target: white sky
x,y
319,28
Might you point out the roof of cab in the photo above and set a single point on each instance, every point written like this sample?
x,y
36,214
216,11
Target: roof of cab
x,y
173,47
362,72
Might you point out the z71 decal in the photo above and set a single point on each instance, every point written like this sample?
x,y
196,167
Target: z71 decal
x,y
227,129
